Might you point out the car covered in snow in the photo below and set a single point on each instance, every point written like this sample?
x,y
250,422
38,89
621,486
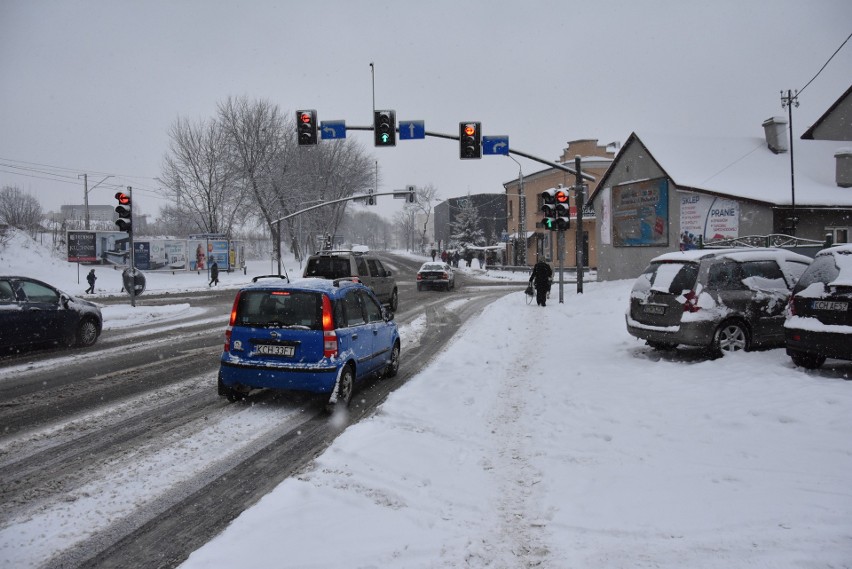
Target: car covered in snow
x,y
33,312
435,274
724,300
312,335
819,318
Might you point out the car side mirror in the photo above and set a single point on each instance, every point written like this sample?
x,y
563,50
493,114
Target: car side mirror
x,y
387,314
64,300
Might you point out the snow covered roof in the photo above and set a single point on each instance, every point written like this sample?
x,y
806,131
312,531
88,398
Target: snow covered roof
x,y
744,167
737,254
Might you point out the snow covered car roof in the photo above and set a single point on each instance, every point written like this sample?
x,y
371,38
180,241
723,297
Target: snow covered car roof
x,y
734,253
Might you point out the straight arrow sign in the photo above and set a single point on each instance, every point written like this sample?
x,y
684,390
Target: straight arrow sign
x,y
411,130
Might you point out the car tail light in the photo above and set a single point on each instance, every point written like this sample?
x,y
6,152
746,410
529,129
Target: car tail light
x,y
231,322
419,277
445,276
791,307
690,303
329,336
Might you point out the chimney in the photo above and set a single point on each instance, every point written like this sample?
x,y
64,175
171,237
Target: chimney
x,y
844,167
776,134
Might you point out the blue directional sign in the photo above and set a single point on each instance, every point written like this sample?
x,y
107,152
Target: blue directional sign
x,y
409,130
495,145
333,129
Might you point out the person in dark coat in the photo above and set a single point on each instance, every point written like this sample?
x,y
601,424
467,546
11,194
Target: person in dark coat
x,y
214,274
540,279
91,278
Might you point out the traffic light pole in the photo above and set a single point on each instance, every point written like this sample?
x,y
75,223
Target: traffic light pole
x,y
578,201
132,260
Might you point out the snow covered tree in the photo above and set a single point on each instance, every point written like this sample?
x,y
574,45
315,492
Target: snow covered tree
x,y
466,230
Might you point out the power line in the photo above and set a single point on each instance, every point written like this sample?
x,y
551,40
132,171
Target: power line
x,y
826,63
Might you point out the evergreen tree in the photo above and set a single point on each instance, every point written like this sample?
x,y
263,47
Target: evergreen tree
x,y
466,230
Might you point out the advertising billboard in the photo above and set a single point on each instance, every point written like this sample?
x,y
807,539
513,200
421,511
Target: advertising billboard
x,y
640,213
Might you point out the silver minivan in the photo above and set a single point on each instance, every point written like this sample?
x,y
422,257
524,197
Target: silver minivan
x,y
724,300
359,266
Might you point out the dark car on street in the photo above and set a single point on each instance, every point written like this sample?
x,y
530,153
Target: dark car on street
x,y
313,335
723,300
33,312
819,322
436,275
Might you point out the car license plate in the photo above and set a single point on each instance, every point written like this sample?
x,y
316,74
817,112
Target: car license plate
x,y
275,350
830,305
654,309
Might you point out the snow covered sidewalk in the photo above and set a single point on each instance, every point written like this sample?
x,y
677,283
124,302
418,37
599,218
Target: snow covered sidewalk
x,y
600,454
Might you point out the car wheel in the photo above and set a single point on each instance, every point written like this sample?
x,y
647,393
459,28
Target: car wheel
x,y
731,336
87,333
393,366
807,361
345,387
662,346
233,395
394,302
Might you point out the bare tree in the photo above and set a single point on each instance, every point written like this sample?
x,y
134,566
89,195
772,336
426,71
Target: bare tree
x,y
20,210
423,204
406,224
199,175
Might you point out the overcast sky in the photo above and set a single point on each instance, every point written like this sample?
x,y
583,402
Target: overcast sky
x,y
93,86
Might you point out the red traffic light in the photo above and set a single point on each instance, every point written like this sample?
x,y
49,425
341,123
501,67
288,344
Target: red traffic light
x,y
469,129
562,196
122,198
305,117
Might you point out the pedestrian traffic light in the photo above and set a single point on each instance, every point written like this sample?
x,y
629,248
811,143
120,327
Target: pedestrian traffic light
x,y
124,211
384,128
548,208
306,123
562,209
470,140
412,193
371,199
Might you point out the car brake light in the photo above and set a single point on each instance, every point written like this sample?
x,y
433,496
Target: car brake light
x,y
791,306
690,303
419,277
445,276
329,336
231,322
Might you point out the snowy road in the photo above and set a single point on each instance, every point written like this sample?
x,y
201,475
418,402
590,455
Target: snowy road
x,y
142,460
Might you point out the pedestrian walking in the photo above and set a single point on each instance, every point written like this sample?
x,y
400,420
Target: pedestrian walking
x,y
214,274
541,278
91,278
433,254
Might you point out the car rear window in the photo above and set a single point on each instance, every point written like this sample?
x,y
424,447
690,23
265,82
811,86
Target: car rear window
x,y
822,270
328,267
673,278
280,309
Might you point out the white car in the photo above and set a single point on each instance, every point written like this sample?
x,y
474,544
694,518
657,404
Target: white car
x,y
436,275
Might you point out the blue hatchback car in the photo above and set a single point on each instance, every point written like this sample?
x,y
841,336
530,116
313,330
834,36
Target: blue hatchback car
x,y
313,335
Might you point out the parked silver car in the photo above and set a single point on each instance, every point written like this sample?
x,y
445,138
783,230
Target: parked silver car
x,y
724,300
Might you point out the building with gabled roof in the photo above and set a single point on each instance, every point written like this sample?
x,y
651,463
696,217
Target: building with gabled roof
x,y
668,193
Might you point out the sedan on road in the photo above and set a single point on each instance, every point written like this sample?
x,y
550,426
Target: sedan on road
x,y
436,275
33,312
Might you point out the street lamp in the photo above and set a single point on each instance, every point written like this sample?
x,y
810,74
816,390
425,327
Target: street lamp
x,y
522,213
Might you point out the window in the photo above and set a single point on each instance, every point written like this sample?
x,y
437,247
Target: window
x,y
354,313
838,234
376,269
373,310
39,293
6,292
724,276
763,275
362,266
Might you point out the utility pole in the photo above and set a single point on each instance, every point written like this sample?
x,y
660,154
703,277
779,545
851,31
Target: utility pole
x,y
86,197
787,102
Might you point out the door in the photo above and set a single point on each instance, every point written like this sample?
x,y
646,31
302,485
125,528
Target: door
x,y
44,318
356,336
381,331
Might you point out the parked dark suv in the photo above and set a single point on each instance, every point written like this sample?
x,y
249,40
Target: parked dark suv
x,y
361,266
819,323
721,299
